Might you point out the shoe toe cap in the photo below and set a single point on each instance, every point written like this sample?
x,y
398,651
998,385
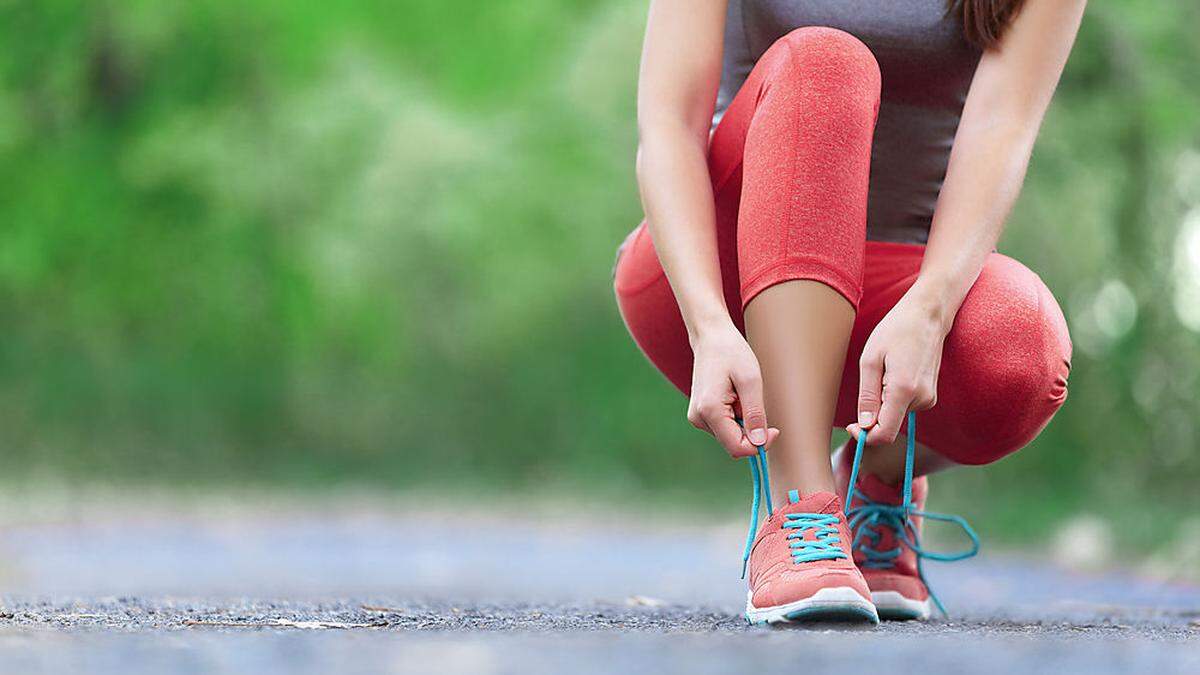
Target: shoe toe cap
x,y
906,585
792,586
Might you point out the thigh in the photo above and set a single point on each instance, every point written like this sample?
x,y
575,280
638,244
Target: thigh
x,y
1004,363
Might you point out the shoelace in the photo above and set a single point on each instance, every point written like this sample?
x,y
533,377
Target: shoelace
x,y
823,545
868,514
825,542
762,487
867,518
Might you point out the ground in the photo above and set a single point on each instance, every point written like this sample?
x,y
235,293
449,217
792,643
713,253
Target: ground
x,y
352,585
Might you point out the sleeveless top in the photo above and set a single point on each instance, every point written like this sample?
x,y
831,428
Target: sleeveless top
x,y
926,67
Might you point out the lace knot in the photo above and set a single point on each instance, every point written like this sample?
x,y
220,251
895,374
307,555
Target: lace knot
x,y
870,519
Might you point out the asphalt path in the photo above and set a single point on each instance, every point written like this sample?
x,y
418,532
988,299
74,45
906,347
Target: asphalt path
x,y
383,588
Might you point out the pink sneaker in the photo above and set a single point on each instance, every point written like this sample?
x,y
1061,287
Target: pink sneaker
x,y
885,522
889,567
801,568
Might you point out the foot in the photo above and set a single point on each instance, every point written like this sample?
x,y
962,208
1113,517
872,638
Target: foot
x,y
801,568
889,567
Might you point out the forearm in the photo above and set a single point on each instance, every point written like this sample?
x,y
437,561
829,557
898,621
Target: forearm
x,y
987,168
1009,94
678,200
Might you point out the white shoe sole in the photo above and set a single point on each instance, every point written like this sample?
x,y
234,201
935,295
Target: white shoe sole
x,y
838,603
895,607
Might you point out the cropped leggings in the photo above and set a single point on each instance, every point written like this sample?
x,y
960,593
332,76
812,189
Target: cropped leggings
x,y
790,165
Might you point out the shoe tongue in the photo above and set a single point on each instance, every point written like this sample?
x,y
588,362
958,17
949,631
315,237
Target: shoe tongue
x,y
816,502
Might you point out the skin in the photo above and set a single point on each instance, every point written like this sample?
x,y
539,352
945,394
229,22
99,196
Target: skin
x,y
801,361
680,73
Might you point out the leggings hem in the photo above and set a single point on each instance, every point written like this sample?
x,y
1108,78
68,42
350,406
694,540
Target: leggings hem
x,y
802,268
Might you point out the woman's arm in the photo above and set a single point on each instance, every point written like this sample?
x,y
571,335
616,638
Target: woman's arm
x,y
1008,97
1004,109
677,89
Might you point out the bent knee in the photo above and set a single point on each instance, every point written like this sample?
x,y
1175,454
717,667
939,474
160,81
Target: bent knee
x,y
834,45
822,55
1009,353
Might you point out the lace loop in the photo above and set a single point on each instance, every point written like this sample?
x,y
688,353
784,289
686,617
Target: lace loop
x,y
868,518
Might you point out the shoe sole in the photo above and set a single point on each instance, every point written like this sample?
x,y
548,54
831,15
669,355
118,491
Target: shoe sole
x,y
838,603
892,606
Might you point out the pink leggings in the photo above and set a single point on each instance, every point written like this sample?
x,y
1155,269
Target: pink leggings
x,y
790,166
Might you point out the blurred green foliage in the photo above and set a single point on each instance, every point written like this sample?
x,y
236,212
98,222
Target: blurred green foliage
x,y
268,241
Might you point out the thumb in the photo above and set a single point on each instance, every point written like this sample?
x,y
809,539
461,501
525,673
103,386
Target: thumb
x,y
754,415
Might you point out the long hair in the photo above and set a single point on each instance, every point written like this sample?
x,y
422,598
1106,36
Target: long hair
x,y
984,21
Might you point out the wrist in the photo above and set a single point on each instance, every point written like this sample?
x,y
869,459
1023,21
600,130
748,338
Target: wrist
x,y
935,299
703,328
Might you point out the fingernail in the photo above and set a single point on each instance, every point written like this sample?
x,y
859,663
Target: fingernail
x,y
758,436
865,418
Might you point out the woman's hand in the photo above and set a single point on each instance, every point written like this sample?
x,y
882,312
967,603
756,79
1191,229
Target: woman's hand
x,y
899,367
727,384
1000,120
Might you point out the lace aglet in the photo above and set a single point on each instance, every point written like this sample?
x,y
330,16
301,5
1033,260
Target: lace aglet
x,y
744,561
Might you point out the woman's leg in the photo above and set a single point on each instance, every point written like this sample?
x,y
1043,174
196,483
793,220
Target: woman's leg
x,y
1003,375
798,330
790,164
801,232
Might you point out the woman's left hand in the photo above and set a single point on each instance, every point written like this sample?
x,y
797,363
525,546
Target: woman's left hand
x,y
898,370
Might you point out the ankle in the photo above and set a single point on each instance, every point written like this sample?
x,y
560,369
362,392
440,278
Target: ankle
x,y
804,488
869,466
888,477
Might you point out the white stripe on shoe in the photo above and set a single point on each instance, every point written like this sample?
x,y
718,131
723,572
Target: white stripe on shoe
x,y
836,603
894,606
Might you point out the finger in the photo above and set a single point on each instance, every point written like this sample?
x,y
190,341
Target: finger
x,y
694,417
896,402
729,434
772,434
924,401
750,400
870,387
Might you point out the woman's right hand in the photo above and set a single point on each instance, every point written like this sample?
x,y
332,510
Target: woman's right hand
x,y
726,385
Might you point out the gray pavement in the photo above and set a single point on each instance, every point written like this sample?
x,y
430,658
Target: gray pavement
x,y
391,589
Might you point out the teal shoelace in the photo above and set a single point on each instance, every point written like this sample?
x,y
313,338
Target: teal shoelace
x,y
762,489
869,518
865,520
823,545
825,542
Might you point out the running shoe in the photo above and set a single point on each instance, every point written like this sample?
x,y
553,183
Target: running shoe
x,y
886,522
800,565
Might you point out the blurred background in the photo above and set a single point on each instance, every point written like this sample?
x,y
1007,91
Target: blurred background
x,y
303,247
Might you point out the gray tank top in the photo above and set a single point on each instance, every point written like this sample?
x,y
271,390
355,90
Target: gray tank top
x,y
927,68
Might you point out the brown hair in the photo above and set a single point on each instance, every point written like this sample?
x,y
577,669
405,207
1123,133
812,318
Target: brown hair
x,y
984,21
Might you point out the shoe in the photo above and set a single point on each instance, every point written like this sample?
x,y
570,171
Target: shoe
x,y
885,522
890,569
801,568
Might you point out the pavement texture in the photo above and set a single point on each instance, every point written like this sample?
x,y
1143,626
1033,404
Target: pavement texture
x,y
379,588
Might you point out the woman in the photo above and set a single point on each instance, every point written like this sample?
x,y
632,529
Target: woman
x,y
824,256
